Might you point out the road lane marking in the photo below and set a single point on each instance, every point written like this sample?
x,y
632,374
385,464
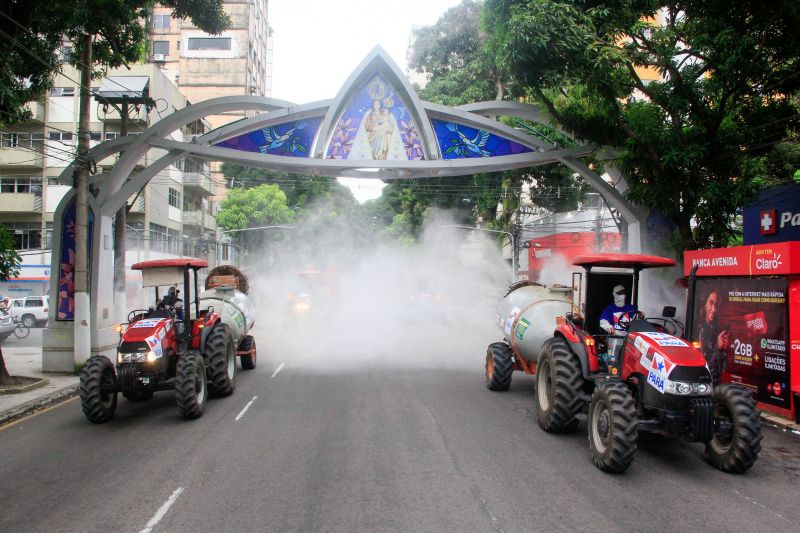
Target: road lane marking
x,y
277,370
246,407
162,511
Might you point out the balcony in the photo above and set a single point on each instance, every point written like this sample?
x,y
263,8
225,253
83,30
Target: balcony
x,y
37,110
20,158
200,219
197,183
20,202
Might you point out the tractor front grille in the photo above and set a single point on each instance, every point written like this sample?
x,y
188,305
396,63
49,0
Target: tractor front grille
x,y
701,419
126,373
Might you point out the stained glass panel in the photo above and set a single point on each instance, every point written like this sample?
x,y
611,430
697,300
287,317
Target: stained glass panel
x,y
376,125
457,141
293,139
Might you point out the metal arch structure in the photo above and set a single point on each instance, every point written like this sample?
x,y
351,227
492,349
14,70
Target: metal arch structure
x,y
111,190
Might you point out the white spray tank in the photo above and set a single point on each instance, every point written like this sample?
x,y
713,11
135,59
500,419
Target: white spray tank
x,y
226,292
527,317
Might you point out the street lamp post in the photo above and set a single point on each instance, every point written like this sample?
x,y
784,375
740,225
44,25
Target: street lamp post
x,y
510,236
253,229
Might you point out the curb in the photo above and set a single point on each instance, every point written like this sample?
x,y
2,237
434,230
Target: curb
x,y
35,383
780,422
38,404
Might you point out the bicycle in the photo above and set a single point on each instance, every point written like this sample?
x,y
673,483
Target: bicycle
x,y
21,330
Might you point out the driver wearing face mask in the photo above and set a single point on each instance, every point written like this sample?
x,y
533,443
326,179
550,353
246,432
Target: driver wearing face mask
x,y
615,317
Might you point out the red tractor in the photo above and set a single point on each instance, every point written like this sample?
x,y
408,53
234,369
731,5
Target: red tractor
x,y
161,348
645,379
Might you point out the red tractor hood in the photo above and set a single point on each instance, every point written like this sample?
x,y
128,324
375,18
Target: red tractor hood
x,y
146,328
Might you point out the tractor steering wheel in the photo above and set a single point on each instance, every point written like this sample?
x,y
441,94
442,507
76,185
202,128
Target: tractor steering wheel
x,y
137,312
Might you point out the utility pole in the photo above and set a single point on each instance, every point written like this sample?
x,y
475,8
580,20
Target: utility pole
x,y
120,222
82,318
122,103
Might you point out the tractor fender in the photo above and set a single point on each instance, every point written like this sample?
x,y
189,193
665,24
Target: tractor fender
x,y
579,350
576,345
206,331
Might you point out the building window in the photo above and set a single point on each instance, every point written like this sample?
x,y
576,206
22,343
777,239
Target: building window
x,y
174,197
161,21
21,185
209,43
62,91
66,54
48,236
27,235
111,135
95,136
62,136
53,180
161,47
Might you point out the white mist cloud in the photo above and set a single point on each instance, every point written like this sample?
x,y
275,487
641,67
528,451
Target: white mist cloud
x,y
378,304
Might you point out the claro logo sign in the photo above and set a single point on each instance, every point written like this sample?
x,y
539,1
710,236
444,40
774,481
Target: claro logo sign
x,y
768,262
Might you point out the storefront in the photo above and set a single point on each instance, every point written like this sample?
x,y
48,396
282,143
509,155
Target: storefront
x,y
744,310
33,280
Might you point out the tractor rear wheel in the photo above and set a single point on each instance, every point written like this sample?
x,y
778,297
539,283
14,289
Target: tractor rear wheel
x,y
499,366
558,387
221,357
191,391
736,440
98,379
248,361
138,395
612,426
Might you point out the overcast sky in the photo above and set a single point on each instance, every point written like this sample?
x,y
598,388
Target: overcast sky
x,y
318,44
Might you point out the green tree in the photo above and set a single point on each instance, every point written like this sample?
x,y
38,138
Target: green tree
x,y
33,31
258,206
9,268
690,141
452,54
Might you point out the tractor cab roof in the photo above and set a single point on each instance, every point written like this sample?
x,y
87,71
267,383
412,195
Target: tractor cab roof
x,y
631,261
161,272
171,263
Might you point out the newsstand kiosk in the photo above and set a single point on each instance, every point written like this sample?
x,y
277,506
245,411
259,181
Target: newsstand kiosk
x,y
745,300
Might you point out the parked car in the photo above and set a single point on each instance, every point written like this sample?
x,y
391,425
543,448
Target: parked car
x,y
31,310
6,325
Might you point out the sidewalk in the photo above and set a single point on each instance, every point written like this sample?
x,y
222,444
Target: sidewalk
x,y
27,361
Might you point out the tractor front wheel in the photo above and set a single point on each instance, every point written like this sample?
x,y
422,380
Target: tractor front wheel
x,y
191,391
221,357
499,366
97,383
612,426
558,387
736,440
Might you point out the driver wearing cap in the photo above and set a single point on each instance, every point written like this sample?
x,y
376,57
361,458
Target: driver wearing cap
x,y
615,317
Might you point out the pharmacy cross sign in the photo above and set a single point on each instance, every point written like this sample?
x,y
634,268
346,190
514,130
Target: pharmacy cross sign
x,y
375,127
769,219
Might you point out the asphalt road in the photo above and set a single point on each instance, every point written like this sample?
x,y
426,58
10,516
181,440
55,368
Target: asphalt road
x,y
367,439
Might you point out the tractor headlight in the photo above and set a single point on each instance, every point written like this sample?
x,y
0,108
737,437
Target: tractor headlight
x,y
140,357
682,388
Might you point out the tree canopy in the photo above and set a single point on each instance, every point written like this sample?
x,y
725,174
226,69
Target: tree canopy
x,y
32,32
257,206
695,138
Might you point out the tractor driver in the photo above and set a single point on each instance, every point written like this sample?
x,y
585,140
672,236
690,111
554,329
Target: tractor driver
x,y
615,317
172,301
614,320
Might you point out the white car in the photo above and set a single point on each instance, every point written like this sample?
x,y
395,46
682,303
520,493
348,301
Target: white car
x,y
31,310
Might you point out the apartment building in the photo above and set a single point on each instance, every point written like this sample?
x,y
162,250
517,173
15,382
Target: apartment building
x,y
174,215
236,62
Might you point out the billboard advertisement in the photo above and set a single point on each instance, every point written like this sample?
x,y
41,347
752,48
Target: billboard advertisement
x,y
742,326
